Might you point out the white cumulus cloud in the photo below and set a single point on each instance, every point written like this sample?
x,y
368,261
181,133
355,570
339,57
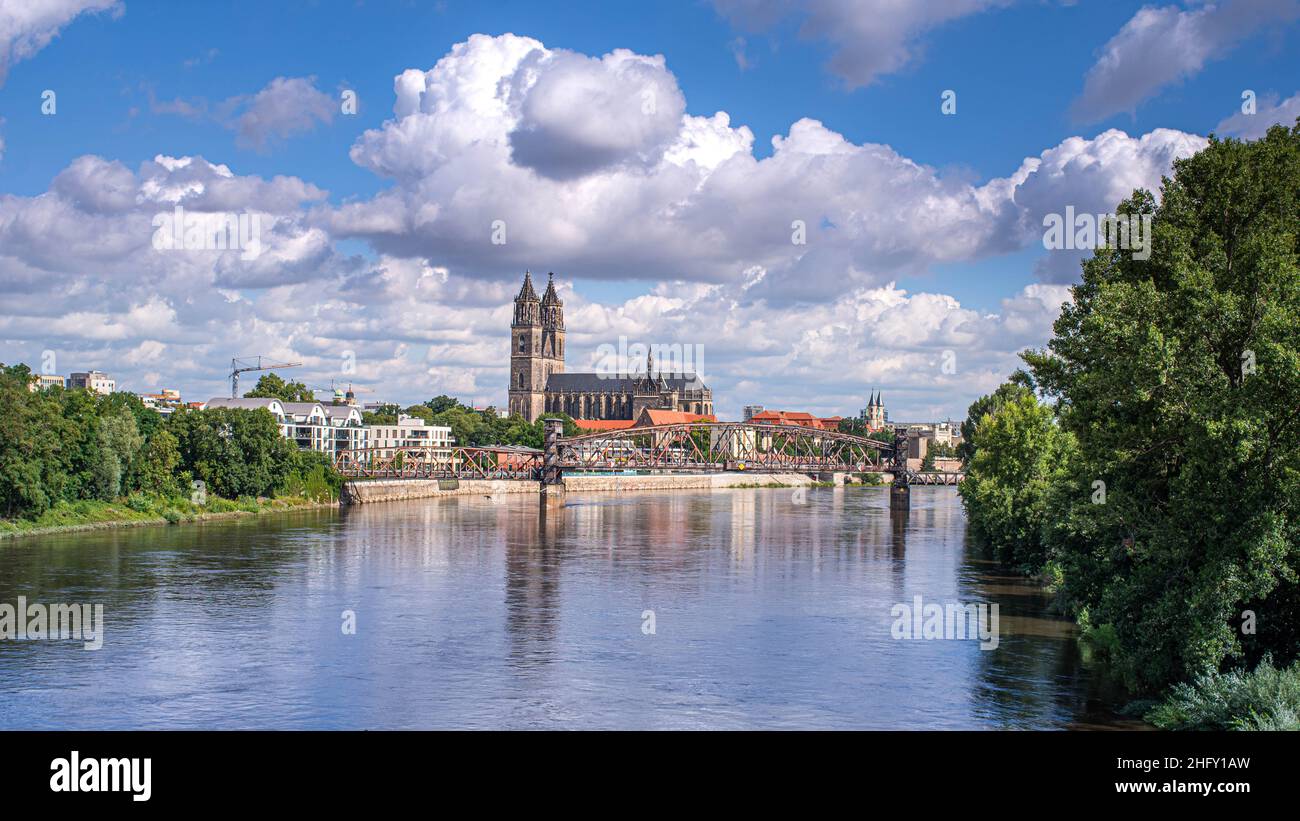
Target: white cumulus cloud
x,y
1163,45
27,26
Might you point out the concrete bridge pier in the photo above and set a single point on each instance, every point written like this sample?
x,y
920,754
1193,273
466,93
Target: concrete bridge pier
x,y
553,495
900,495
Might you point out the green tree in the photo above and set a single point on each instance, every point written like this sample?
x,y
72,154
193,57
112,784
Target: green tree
x,y
235,452
119,441
157,465
82,456
438,404
33,433
937,450
147,420
386,415
272,386
1180,377
1020,454
1020,384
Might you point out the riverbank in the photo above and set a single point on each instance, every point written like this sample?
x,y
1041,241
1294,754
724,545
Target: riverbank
x,y
140,512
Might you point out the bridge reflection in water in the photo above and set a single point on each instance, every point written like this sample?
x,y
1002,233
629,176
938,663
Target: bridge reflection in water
x,y
691,447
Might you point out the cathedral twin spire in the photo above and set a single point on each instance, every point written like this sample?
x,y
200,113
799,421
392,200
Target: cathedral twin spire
x,y
529,310
526,292
550,297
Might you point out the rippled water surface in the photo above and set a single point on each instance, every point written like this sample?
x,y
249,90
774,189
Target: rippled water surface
x,y
482,612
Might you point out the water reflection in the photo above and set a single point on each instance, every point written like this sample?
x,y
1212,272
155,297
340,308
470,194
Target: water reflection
x,y
533,566
770,609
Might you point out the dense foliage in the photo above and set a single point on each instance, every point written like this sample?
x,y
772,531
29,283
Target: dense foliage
x,y
1018,385
1171,517
858,427
1266,698
67,446
474,428
273,386
1020,452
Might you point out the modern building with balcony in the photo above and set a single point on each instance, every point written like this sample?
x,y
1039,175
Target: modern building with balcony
x,y
410,432
310,425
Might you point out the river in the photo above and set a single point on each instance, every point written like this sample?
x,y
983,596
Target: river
x,y
753,608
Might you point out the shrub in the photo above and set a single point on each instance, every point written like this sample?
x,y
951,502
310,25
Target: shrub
x,y
138,502
1265,698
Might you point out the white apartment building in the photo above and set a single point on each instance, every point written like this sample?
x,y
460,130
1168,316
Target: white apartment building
x,y
349,431
96,381
410,432
309,425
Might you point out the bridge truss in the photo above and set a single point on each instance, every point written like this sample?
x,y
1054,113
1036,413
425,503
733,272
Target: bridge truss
x,y
687,447
439,463
717,446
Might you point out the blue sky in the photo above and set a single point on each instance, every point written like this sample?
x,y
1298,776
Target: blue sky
x,y
140,79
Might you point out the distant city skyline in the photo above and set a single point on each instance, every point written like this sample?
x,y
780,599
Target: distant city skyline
x,y
828,200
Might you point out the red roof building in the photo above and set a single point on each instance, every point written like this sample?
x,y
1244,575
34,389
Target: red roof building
x,y
799,418
656,416
599,425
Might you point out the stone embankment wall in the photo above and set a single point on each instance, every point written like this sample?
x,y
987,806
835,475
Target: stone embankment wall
x,y
668,481
396,490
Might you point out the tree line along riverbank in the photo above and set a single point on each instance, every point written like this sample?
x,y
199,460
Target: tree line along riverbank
x,y
76,459
1147,462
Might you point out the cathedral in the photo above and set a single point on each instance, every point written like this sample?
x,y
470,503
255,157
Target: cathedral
x,y
538,383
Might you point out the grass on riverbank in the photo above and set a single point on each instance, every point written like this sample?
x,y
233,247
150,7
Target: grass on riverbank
x,y
1266,698
140,508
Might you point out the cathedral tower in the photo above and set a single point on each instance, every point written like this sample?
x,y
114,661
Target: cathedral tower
x,y
536,347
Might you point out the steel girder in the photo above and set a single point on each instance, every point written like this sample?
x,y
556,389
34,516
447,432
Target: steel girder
x,y
438,463
704,446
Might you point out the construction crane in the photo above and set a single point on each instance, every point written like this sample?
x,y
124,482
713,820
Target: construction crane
x,y
251,363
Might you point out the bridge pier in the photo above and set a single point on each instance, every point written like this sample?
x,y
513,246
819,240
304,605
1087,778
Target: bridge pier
x,y
900,495
552,495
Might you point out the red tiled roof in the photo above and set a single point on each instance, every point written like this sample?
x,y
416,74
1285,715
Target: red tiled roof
x,y
670,417
796,418
604,424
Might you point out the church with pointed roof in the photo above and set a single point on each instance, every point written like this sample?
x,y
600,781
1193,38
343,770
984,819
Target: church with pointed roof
x,y
874,413
539,383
